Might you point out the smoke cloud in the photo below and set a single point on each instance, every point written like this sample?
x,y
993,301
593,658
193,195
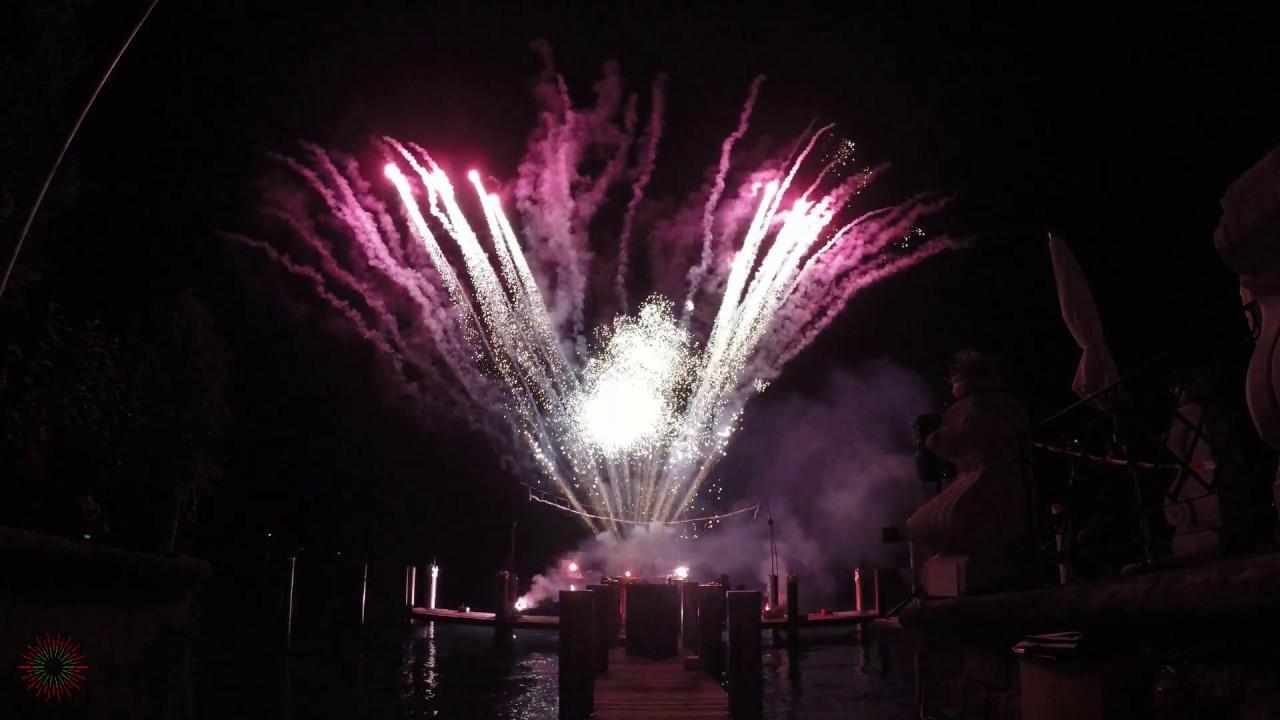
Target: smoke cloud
x,y
832,468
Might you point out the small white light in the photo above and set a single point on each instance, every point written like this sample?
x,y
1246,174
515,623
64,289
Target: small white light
x,y
573,567
682,572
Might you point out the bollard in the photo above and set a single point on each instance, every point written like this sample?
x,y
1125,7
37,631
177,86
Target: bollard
x,y
602,619
710,618
689,594
746,681
513,591
435,574
577,656
773,593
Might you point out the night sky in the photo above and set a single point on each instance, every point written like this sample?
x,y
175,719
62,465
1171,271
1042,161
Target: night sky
x,y
1117,131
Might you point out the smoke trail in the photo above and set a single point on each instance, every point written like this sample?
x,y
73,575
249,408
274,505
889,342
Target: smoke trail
x,y
717,187
648,159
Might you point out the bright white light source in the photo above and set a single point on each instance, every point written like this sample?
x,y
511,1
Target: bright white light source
x,y
627,574
682,572
521,605
632,387
573,567
573,587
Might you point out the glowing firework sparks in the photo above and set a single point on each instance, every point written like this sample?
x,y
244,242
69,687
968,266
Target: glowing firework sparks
x,y
53,667
628,424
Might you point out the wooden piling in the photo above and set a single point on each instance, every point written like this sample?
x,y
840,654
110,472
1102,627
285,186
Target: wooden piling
x,y
653,621
793,603
710,619
689,594
746,681
501,607
577,655
604,614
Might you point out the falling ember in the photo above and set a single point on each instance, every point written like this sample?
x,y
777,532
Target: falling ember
x,y
627,422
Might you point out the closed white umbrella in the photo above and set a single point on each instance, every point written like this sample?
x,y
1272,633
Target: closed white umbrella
x,y
1097,369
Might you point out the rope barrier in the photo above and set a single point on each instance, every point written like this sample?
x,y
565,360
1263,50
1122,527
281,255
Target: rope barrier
x,y
537,498
1208,465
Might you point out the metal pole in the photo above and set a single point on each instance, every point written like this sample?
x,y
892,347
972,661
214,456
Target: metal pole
x,y
288,635
364,591
48,180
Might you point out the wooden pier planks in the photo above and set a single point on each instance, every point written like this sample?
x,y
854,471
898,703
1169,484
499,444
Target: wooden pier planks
x,y
638,689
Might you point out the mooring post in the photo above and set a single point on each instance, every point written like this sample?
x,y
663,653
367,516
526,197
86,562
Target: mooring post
x,y
746,682
710,617
601,623
773,593
500,595
793,607
689,593
431,595
577,655
513,591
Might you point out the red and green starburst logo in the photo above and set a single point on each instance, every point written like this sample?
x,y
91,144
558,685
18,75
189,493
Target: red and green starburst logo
x,y
53,667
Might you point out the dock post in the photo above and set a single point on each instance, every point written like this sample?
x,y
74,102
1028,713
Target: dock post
x,y
501,612
577,655
513,591
689,593
602,622
793,603
724,583
746,682
773,593
431,596
710,617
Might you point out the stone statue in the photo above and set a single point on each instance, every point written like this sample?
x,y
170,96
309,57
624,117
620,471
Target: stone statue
x,y
984,512
1248,241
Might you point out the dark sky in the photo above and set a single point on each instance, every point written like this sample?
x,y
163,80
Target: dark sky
x,y
1119,130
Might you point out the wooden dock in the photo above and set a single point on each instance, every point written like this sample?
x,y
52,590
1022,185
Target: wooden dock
x,y
638,689
522,622
551,622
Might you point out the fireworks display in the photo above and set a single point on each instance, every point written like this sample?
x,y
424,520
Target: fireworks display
x,y
625,422
52,667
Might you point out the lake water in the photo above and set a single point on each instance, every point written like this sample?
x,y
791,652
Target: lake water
x,y
448,671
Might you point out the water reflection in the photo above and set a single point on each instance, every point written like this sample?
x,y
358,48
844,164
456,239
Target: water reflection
x,y
462,672
837,678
